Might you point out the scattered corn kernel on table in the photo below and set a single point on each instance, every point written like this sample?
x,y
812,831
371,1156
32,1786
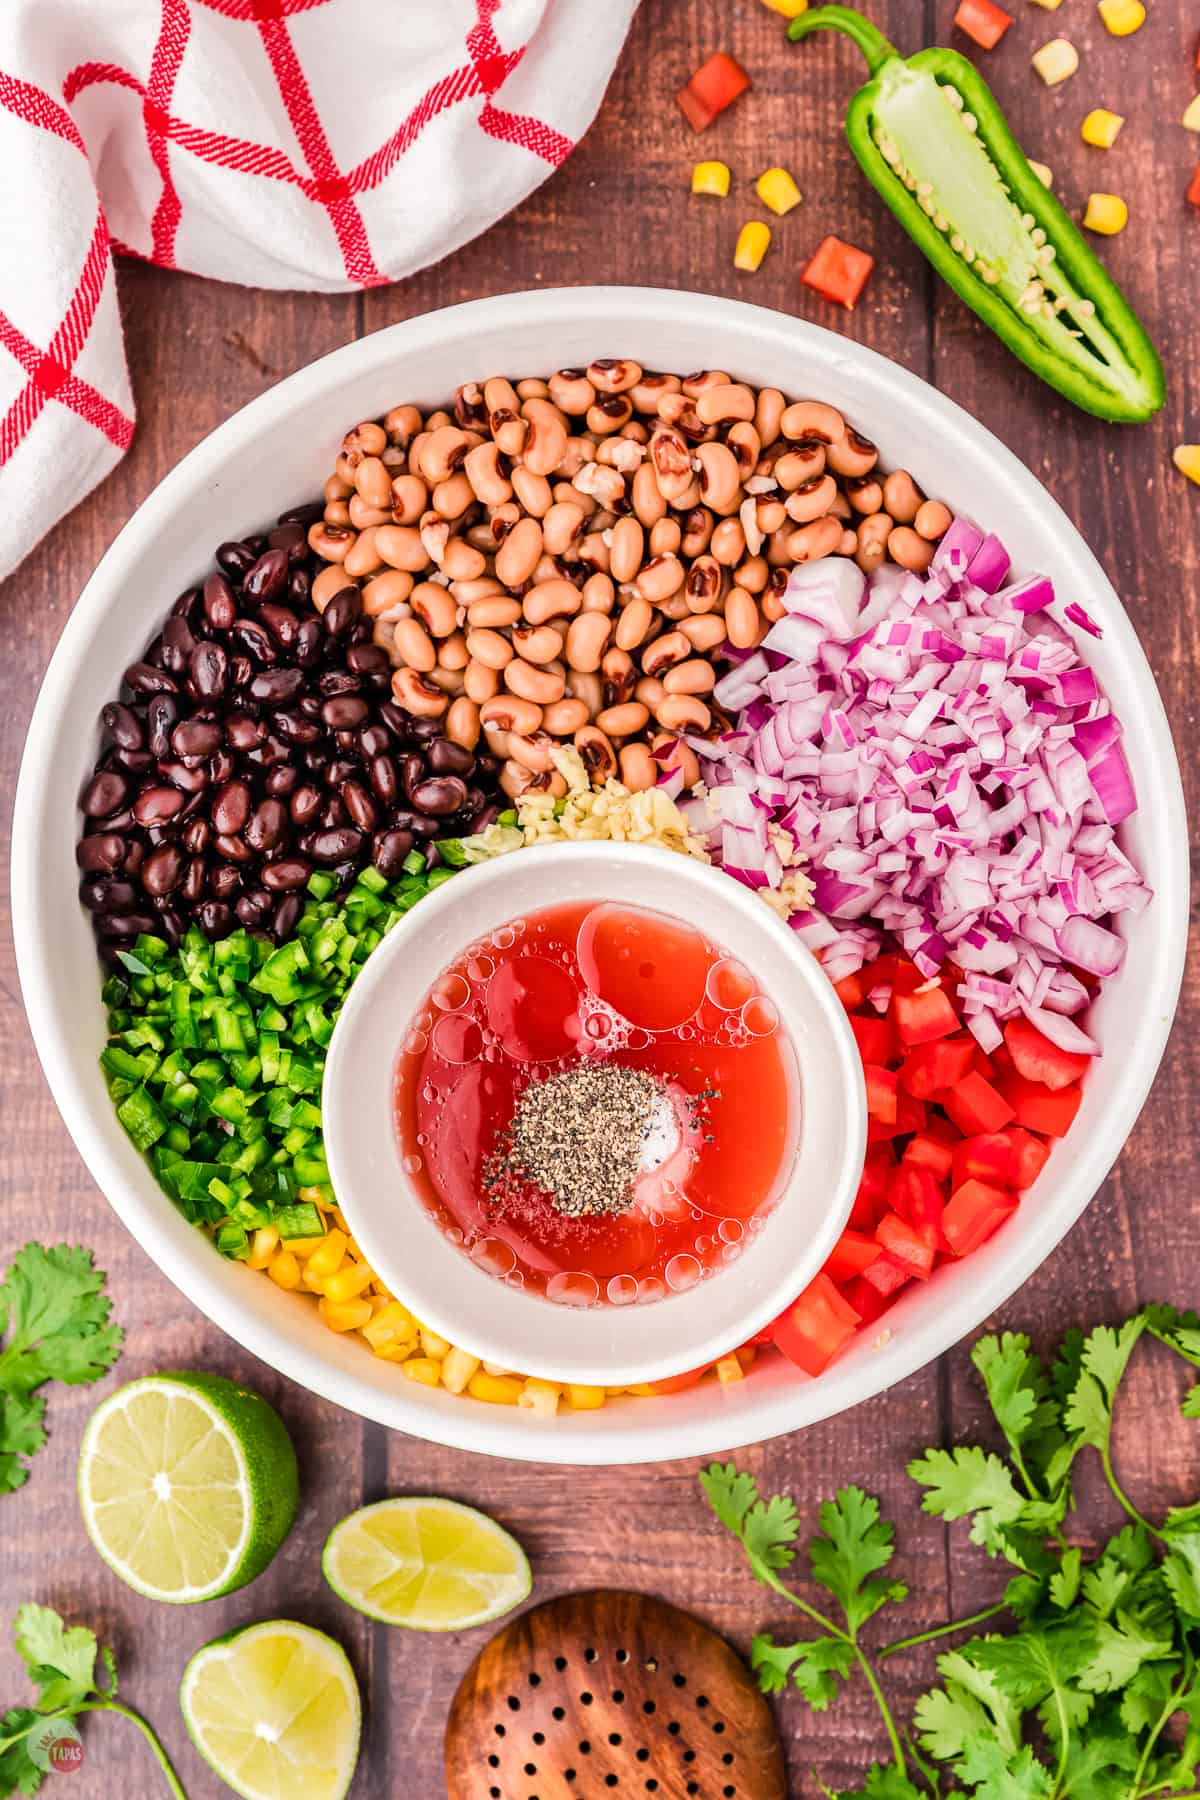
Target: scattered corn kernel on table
x,y
621,210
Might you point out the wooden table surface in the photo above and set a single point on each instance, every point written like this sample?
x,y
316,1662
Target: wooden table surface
x,y
619,211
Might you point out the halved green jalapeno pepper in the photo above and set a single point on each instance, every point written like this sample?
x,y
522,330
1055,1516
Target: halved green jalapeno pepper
x,y
932,139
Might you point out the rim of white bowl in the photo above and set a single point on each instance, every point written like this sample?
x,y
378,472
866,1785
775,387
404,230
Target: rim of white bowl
x,y
770,1407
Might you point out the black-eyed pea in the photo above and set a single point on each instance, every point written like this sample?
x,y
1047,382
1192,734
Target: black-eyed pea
x,y
496,741
592,549
547,438
932,520
598,593
671,460
811,500
864,493
598,756
633,623
553,599
333,542
337,489
480,683
571,391
700,380
410,498
483,470
509,431
490,648
609,413
623,719
647,498
746,446
698,528
493,612
541,686
499,395
517,557
362,516
705,631
812,421
624,453
586,685
435,535
372,481
664,652
910,549
586,640
769,408
775,548
638,768
550,568
614,375
725,401
364,440
720,481
666,538
604,485
514,779
649,690
769,514
337,513
537,643
332,580
771,604
695,676
344,469
684,712
902,497
661,577
449,680
705,585
533,491
728,544
422,698
452,652
480,536
402,424
675,607
795,467
741,618
462,722
435,606
645,393
400,546
564,717
564,493
562,525
461,561
619,675
531,752
552,784
509,712
580,450
626,548
443,452
451,498
413,646
811,542
849,543
841,508
671,753
854,455
469,409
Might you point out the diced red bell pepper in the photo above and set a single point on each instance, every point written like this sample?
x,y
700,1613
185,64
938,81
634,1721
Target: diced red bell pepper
x,y
986,1157
815,1326
853,1252
976,1106
916,1196
849,991
886,1275
924,1014
873,1037
1193,188
1037,1059
1029,1155
838,272
931,1153
866,1300
906,1245
871,1198
882,1090
675,1384
1040,1108
930,1068
983,22
974,1212
714,85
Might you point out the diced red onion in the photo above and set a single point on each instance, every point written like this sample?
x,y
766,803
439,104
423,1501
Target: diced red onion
x,y
1090,946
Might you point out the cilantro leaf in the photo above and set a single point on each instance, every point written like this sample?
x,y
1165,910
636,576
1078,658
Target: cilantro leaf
x,y
1146,1694
1017,1385
1034,1663
21,1434
1181,1572
963,1676
1098,1767
1001,1777
19,1774
56,1313
946,1717
61,1660
1064,1585
884,1782
1122,1648
767,1528
1104,1359
730,1491
852,1544
970,1481
814,1666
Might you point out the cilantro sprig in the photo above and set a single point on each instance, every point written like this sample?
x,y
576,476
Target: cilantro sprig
x,y
1093,1693
61,1661
54,1316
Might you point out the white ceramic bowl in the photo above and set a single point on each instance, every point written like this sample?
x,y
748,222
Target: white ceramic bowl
x,y
277,451
603,1346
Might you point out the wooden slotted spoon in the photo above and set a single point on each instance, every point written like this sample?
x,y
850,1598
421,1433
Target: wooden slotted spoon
x,y
610,1696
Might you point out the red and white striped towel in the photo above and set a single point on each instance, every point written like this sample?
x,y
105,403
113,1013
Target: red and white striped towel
x,y
324,144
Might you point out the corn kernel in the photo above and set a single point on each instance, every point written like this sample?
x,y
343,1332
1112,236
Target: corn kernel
x,y
432,1344
328,1259
314,1194
500,1390
304,1247
787,9
1122,17
344,1315
540,1397
284,1270
585,1399
351,1280
1044,172
729,1368
711,178
1191,118
1056,61
1050,5
1101,128
753,241
393,1325
457,1369
495,1369
314,1283
1106,213
398,1352
776,189
1186,458
423,1369
263,1247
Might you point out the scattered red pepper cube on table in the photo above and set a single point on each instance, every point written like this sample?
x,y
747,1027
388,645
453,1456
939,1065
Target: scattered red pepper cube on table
x,y
983,22
1193,192
712,88
838,272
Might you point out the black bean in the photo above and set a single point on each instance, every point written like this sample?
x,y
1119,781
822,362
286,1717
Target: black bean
x,y
310,641
440,795
367,659
424,825
177,645
209,670
195,836
291,537
123,726
224,881
104,793
309,706
287,914
359,805
362,631
282,780
101,894
162,870
486,763
254,909
190,778
384,779
233,849
214,918
186,605
268,578
118,821
241,669
398,722
282,624
305,804
135,856
153,653
342,768
243,731
125,925
221,766
274,750
299,587
447,758
195,879
333,845
374,740
250,636
144,679
170,924
333,813
433,855
285,873
235,558
388,851
274,687
308,514
196,737
486,817
293,728
339,681
134,762
161,715
342,611
155,805
424,729
231,807
267,825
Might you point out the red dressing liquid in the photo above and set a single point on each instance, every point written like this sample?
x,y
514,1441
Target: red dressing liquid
x,y
583,984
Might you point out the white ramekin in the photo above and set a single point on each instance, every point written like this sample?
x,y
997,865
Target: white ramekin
x,y
278,451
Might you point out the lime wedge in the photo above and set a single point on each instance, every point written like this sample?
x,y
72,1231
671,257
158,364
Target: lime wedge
x,y
432,1565
188,1485
274,1710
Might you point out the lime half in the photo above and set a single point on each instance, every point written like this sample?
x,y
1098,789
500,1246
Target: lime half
x,y
274,1710
432,1565
188,1485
